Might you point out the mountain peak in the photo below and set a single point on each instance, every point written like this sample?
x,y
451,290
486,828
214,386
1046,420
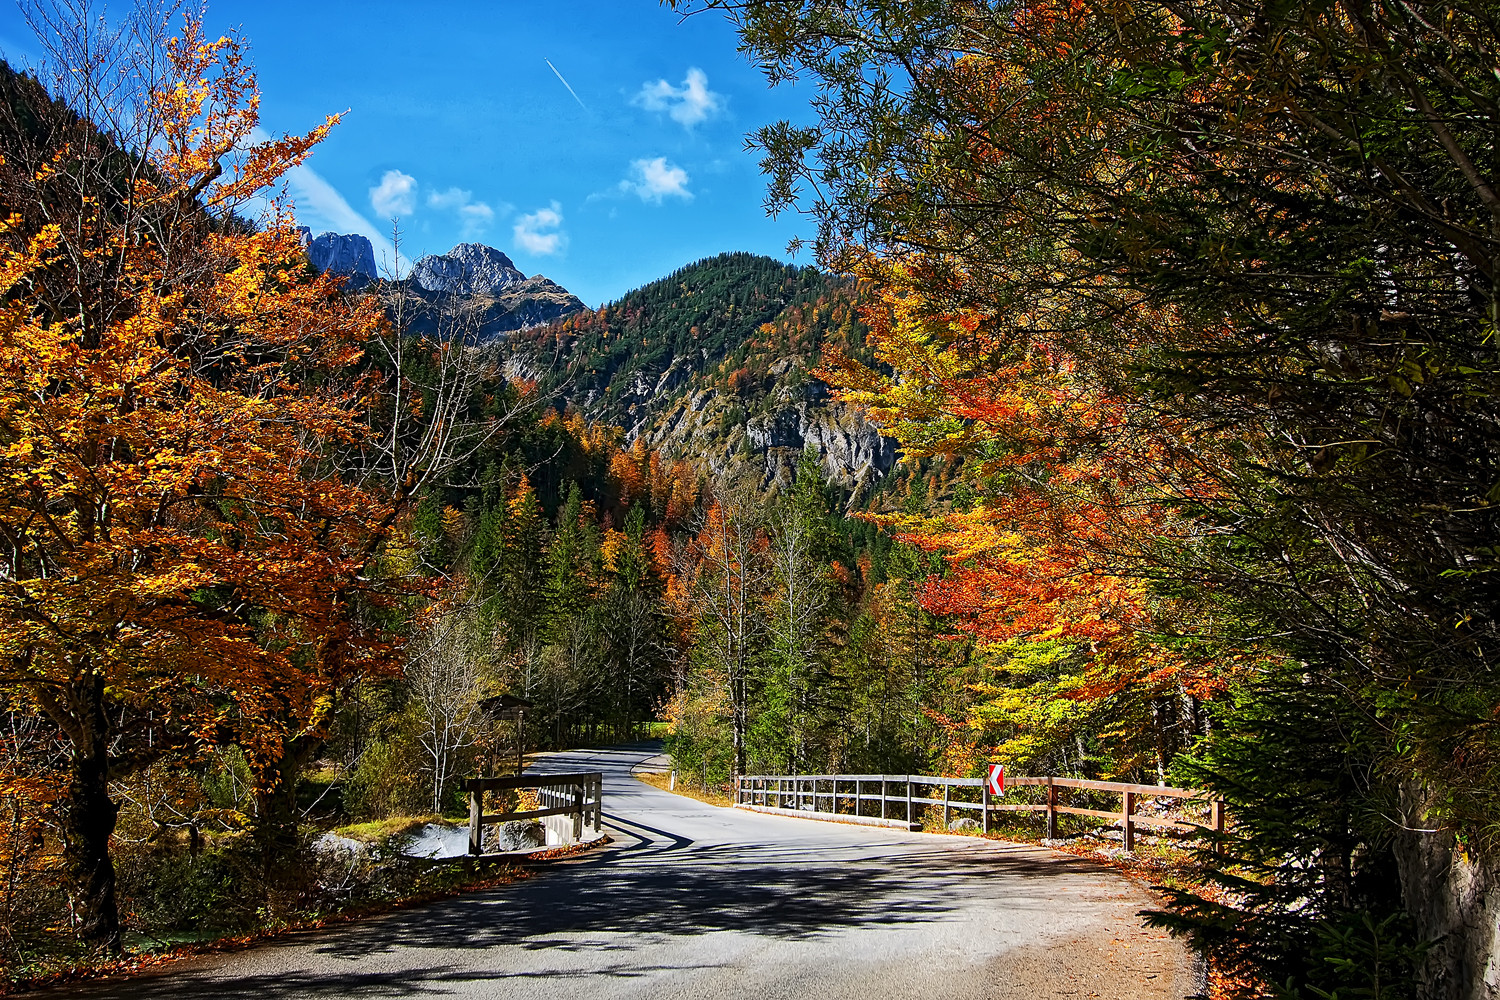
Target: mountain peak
x,y
469,268
347,254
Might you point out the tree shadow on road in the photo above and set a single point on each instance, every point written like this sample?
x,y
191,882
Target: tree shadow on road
x,y
629,904
631,899
435,980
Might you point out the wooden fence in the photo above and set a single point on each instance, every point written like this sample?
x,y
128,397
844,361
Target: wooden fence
x,y
579,795
852,798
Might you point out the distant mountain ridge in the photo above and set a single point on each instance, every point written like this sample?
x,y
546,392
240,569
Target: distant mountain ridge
x,y
714,362
472,287
348,254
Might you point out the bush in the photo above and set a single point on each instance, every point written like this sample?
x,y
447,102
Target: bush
x,y
166,892
384,782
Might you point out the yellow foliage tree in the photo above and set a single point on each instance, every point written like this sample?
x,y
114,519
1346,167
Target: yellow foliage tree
x,y
180,555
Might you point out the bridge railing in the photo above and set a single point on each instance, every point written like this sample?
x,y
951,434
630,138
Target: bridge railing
x,y
900,800
577,796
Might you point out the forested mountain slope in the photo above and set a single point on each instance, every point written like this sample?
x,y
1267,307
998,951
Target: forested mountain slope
x,y
713,363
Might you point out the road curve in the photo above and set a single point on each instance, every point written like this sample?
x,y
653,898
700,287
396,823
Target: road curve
x,y
697,901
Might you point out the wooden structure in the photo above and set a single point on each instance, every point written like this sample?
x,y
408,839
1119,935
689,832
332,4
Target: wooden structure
x,y
899,799
508,708
579,796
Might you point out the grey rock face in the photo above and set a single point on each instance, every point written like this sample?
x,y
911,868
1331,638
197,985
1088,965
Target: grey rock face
x,y
852,450
468,269
847,442
350,255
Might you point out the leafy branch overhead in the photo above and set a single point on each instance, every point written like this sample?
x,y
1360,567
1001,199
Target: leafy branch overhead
x,y
1204,293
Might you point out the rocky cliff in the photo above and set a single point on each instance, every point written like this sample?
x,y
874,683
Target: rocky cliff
x,y
347,254
795,415
467,269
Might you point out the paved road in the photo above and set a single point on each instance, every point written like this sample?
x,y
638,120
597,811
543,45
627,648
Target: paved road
x,y
696,901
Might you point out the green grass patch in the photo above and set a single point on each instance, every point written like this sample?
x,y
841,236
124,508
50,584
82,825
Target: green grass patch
x,y
376,830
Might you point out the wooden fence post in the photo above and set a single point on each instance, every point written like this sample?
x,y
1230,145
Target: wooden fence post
x,y
908,800
578,813
1051,810
859,791
476,812
1218,820
946,788
1127,820
882,796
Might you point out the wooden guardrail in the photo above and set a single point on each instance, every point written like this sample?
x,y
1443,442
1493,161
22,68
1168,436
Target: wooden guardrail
x,y
579,795
901,797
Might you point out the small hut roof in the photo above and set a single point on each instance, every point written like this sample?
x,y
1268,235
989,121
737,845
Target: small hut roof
x,y
503,706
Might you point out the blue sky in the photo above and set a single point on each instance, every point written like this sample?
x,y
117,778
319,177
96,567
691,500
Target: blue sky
x,y
458,125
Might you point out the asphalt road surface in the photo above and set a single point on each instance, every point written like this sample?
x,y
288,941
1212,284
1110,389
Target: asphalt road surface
x,y
697,901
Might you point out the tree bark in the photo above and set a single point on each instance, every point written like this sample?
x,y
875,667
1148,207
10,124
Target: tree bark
x,y
89,819
1454,898
276,809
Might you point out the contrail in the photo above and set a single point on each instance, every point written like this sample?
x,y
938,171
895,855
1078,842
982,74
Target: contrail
x,y
565,84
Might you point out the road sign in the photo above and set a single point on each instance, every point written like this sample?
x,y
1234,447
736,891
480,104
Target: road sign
x,y
996,780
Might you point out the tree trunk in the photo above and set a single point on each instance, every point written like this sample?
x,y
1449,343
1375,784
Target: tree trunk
x,y
276,809
89,821
1454,898
739,710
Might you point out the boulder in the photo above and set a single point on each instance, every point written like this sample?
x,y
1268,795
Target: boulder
x,y
517,835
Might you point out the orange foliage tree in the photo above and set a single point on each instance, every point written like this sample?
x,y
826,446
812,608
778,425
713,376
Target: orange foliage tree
x,y
180,556
1070,490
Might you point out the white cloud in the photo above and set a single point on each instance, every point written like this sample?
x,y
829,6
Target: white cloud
x,y
656,179
478,215
540,232
688,105
394,195
475,216
449,199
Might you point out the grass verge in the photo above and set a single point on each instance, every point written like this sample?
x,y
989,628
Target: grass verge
x,y
662,780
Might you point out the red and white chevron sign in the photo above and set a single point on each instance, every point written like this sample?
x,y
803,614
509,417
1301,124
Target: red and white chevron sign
x,y
996,780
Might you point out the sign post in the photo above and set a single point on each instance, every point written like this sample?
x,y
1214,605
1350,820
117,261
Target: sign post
x,y
995,783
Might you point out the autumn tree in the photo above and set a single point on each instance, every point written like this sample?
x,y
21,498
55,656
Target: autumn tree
x,y
1269,232
632,622
180,554
727,569
445,675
